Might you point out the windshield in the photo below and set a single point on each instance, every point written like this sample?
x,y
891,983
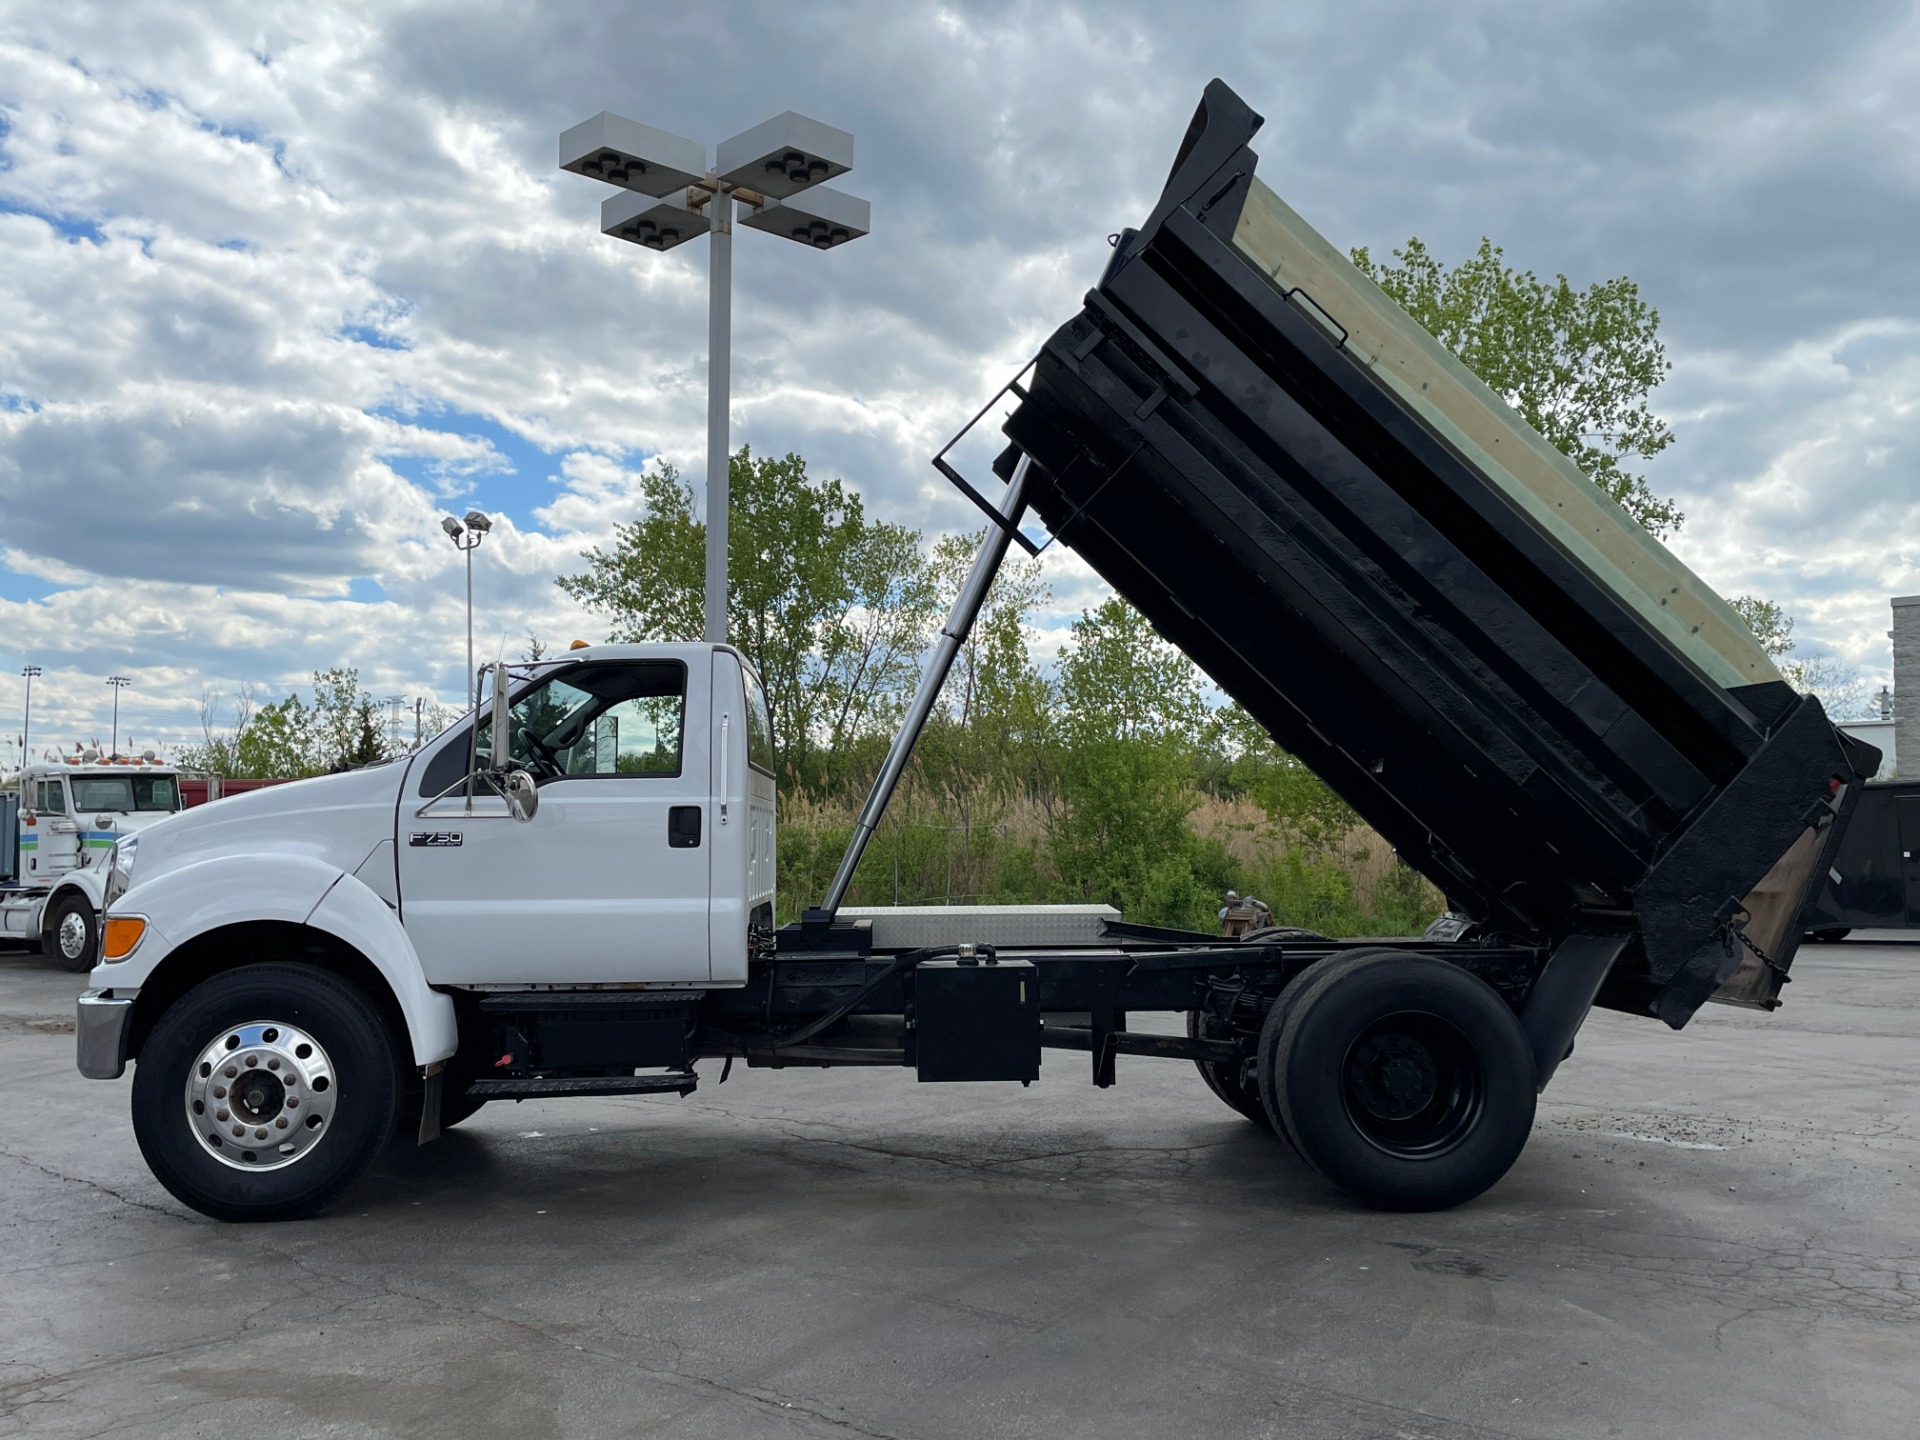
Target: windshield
x,y
124,792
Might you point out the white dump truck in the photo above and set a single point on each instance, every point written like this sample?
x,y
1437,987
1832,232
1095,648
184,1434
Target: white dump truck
x,y
59,817
572,892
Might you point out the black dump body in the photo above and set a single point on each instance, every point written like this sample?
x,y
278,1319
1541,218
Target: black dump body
x,y
1518,732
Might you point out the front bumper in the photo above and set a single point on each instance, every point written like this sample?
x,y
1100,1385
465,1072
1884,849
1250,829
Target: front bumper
x,y
100,1033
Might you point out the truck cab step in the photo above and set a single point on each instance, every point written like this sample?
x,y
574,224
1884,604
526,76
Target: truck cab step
x,y
535,1087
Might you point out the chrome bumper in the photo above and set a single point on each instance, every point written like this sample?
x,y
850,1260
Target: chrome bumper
x,y
100,1034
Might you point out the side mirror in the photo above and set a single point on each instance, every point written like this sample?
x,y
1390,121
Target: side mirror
x,y
522,796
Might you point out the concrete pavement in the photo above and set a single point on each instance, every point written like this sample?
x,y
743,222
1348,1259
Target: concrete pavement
x,y
1711,1234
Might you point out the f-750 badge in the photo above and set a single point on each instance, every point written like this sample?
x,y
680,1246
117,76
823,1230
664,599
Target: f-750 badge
x,y
434,839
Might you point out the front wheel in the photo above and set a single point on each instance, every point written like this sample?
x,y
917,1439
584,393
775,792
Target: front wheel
x,y
72,935
265,1093
1404,1079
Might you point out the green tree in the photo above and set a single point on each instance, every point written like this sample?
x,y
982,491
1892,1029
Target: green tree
x,y
1771,625
294,737
832,608
1131,714
1814,672
1577,364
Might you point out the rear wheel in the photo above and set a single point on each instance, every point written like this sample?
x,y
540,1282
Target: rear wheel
x,y
72,934
1402,1078
265,1093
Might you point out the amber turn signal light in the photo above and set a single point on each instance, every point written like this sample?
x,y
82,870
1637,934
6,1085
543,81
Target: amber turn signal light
x,y
123,934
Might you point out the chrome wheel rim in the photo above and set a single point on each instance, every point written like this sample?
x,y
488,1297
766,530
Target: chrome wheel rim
x,y
72,935
260,1096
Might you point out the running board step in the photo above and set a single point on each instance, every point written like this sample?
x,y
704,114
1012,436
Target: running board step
x,y
535,1088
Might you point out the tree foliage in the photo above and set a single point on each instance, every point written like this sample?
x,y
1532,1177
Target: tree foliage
x,y
336,728
832,608
1771,625
1578,365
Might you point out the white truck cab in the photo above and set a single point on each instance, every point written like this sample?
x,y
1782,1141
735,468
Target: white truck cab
x,y
70,812
637,853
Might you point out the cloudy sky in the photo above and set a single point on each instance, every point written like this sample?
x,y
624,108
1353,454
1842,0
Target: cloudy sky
x,y
280,285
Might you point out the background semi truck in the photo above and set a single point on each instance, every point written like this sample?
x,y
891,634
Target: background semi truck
x,y
58,819
571,893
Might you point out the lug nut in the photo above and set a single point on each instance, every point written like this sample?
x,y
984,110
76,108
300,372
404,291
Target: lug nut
x,y
219,1092
239,1130
293,1102
281,1123
229,1072
260,1134
273,1064
223,1114
252,1060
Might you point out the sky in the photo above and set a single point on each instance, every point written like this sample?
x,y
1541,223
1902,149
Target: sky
x,y
281,285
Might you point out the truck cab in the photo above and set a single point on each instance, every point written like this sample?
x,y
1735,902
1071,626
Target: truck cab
x,y
70,812
649,858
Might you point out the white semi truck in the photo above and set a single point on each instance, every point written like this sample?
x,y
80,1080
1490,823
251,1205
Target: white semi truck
x,y
64,816
572,892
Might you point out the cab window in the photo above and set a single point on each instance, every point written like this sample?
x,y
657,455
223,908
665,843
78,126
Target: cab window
x,y
125,792
608,719
52,799
759,726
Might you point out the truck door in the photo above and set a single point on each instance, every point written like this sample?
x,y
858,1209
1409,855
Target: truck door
x,y
1909,812
608,883
58,834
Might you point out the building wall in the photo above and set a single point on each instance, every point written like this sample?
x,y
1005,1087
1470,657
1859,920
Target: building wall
x,y
1877,733
1906,682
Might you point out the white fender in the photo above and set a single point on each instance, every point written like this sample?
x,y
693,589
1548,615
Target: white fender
x,y
353,913
221,890
90,882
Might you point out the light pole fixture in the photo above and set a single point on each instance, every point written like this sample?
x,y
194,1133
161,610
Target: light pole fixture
x,y
673,195
466,536
119,683
26,720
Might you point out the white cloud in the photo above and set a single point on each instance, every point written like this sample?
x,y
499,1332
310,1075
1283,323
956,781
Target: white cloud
x,y
276,288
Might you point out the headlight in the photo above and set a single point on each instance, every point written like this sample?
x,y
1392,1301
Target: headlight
x,y
119,869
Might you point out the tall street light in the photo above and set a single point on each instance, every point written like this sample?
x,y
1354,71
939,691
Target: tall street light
x,y
466,536
26,720
119,683
774,170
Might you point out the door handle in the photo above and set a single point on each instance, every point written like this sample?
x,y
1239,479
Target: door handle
x,y
683,827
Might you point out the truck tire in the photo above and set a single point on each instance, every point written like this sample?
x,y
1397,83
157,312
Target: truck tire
x,y
266,1092
72,934
1402,1078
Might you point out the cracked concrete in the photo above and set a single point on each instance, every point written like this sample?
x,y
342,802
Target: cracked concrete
x,y
1711,1234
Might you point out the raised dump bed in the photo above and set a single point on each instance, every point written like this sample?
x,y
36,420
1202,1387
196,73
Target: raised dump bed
x,y
1540,707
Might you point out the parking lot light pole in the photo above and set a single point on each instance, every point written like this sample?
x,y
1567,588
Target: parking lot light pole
x,y
119,683
26,718
719,414
773,172
466,536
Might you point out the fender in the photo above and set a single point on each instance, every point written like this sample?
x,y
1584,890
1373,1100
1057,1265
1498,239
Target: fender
x,y
91,883
180,905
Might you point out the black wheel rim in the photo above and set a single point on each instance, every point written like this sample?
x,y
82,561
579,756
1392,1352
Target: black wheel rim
x,y
1412,1085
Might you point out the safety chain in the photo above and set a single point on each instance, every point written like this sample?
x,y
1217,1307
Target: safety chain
x,y
1734,932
